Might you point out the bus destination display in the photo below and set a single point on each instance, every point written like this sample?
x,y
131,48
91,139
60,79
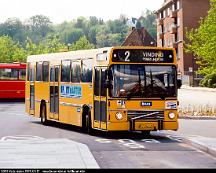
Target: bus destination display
x,y
143,55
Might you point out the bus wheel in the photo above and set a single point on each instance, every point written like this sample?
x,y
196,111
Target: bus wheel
x,y
146,133
43,114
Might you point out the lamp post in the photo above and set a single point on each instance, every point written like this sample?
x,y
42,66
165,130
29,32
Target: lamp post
x,y
193,72
68,46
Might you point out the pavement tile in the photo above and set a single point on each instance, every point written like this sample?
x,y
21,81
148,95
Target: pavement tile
x,y
45,153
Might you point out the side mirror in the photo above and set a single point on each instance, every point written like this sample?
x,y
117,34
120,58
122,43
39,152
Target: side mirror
x,y
179,83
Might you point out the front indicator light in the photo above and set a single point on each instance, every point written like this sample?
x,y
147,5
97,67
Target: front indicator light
x,y
171,115
119,116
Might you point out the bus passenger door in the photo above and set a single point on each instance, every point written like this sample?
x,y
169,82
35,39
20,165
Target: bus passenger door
x,y
100,99
54,93
32,90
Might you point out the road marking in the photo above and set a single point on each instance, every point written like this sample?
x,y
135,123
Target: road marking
x,y
175,138
151,141
130,143
103,141
20,137
15,113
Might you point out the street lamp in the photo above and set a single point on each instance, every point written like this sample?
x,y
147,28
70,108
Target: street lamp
x,y
68,45
193,65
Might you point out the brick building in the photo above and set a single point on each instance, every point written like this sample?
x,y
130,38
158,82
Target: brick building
x,y
172,20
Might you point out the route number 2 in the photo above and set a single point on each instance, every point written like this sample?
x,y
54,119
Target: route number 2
x,y
127,53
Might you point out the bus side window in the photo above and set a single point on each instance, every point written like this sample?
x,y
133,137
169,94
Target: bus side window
x,y
87,70
76,71
22,74
103,82
39,71
52,74
9,74
96,82
32,74
28,72
45,71
65,71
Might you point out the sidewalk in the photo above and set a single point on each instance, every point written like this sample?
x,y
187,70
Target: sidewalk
x,y
205,144
198,133
198,88
45,153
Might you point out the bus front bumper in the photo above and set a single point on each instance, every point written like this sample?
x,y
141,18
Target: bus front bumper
x,y
142,125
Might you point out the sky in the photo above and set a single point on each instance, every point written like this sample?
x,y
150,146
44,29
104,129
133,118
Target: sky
x,y
66,10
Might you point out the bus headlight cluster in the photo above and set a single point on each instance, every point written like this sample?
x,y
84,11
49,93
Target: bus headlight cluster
x,y
171,115
119,116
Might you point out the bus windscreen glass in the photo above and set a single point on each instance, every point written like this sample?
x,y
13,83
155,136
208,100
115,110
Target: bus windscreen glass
x,y
140,81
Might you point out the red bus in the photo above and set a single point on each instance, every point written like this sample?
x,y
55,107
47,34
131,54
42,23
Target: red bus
x,y
12,80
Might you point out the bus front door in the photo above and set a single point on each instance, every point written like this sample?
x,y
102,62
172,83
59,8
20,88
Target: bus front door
x,y
54,93
100,99
31,90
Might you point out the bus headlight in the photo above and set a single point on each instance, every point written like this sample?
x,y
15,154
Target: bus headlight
x,y
171,115
119,116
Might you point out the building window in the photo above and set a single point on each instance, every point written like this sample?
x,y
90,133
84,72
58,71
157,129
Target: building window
x,y
168,11
177,53
164,13
178,5
161,15
178,21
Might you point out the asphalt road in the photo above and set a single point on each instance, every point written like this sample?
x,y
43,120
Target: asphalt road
x,y
111,150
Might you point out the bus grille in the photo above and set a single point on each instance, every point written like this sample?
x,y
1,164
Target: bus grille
x,y
145,115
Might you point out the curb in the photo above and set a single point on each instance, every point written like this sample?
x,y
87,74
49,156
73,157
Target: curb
x,y
198,117
201,146
198,88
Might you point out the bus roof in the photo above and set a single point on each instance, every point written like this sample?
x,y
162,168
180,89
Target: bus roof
x,y
68,55
90,53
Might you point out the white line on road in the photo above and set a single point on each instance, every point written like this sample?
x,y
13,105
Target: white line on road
x,y
21,137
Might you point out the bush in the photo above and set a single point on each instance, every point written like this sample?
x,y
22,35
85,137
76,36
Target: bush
x,y
209,80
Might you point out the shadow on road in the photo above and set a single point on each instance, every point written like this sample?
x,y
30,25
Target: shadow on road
x,y
103,134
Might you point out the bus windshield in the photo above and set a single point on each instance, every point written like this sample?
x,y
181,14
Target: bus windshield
x,y
138,81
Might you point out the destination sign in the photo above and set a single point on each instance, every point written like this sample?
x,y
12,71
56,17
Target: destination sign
x,y
143,55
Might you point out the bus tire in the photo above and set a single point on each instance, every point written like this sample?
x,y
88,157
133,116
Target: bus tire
x,y
146,133
43,114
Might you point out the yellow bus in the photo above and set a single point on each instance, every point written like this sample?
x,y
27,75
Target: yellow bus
x,y
131,88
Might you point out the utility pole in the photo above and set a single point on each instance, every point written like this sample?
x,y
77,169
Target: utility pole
x,y
193,72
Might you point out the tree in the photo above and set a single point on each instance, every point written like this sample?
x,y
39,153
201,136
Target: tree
x,y
82,44
73,34
148,20
14,28
11,51
39,26
50,44
202,43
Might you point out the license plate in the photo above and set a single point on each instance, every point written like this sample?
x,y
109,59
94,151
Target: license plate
x,y
145,126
